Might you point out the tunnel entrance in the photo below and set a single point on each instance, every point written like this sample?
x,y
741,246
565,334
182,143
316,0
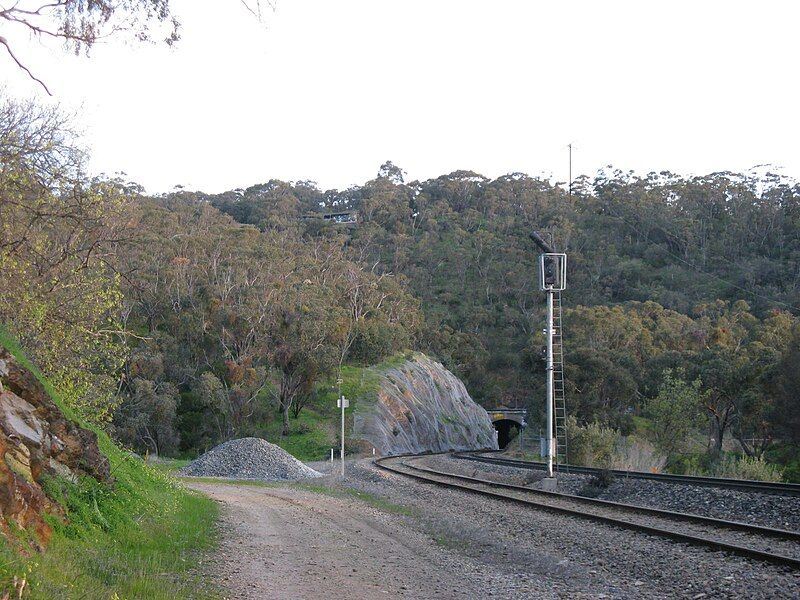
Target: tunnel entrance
x,y
507,430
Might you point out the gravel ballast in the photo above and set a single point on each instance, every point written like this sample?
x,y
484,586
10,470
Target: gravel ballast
x,y
249,458
769,510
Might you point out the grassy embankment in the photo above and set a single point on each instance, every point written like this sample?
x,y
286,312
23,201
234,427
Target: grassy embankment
x,y
140,538
315,431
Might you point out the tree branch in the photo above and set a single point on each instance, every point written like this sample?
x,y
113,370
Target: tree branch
x,y
23,67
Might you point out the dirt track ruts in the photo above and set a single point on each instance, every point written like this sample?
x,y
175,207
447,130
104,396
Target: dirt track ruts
x,y
287,542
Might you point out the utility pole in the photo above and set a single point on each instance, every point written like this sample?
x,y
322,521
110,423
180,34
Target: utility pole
x,y
343,403
570,169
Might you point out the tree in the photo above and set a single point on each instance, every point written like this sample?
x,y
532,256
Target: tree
x,y
59,234
785,414
80,23
675,413
146,418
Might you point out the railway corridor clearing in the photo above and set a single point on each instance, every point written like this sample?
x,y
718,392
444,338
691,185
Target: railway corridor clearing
x,y
294,541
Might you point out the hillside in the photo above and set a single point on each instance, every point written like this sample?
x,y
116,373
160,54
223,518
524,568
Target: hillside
x,y
130,533
177,322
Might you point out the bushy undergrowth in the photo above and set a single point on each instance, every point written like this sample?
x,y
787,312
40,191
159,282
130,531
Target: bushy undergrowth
x,y
745,467
139,538
594,445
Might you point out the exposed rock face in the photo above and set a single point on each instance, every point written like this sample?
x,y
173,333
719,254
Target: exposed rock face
x,y
36,441
421,406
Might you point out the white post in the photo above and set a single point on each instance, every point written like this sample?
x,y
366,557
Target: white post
x,y
331,454
550,441
342,401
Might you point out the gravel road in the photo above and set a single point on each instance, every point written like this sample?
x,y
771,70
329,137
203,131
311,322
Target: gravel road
x,y
285,542
411,540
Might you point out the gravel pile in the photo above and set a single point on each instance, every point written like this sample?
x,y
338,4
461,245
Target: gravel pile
x,y
249,458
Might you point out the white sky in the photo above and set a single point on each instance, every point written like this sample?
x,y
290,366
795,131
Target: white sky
x,y
329,89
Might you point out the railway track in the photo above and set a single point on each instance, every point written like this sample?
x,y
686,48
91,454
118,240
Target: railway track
x,y
763,487
775,546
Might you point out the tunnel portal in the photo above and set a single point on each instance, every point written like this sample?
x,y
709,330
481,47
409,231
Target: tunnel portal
x,y
508,422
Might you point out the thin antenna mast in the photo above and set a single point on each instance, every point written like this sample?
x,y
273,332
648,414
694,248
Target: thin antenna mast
x,y
570,169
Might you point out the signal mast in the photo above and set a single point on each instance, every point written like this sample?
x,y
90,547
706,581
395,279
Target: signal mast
x,y
552,279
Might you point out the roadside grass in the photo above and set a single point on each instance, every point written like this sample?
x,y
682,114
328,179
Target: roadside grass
x,y
141,537
168,465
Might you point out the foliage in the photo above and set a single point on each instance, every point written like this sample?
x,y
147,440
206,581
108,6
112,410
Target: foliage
x,y
660,265
230,316
80,23
58,231
597,484
238,305
675,414
633,453
590,445
138,538
746,467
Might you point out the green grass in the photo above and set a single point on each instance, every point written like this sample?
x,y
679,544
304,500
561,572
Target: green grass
x,y
314,432
140,538
168,465
311,434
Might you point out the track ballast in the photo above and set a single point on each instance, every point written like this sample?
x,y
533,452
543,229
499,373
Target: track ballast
x,y
762,487
766,544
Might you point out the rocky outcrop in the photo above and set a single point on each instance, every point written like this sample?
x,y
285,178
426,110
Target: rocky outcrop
x,y
420,406
37,441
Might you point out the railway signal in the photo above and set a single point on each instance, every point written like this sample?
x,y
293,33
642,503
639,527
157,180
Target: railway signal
x,y
552,280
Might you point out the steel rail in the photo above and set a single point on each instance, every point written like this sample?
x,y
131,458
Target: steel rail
x,y
433,476
764,487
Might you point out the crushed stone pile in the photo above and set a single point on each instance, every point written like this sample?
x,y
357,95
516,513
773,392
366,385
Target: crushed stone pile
x,y
249,458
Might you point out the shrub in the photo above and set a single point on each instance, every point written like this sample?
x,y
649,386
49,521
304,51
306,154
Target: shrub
x,y
746,467
597,484
591,445
635,454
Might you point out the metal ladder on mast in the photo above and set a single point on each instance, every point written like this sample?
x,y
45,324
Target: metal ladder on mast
x,y
559,401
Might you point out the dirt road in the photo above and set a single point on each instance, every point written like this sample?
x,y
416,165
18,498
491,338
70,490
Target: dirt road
x,y
380,535
288,542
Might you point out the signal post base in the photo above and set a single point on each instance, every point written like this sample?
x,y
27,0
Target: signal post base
x,y
549,484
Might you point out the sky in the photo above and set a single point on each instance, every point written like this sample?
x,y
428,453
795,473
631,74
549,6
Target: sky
x,y
329,90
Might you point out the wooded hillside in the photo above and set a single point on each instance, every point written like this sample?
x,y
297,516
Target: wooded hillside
x,y
186,319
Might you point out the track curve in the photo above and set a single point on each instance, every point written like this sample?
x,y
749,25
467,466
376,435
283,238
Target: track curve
x,y
762,487
752,541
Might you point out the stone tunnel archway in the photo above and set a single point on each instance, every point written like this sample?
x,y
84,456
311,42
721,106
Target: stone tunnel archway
x,y
507,430
508,422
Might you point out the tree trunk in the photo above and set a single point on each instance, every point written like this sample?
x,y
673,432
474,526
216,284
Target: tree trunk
x,y
285,417
716,433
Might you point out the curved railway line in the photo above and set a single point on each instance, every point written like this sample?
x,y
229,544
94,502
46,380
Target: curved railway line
x,y
763,487
776,546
